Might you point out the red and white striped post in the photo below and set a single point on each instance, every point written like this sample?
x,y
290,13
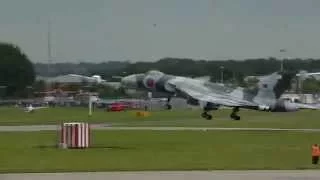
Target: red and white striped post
x,y
75,135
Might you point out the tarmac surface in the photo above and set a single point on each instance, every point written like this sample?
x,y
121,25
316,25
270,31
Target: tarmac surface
x,y
172,175
28,128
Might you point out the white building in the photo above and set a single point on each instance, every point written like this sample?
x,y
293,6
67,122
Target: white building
x,y
65,79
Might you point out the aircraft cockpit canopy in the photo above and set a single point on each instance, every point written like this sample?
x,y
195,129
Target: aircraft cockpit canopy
x,y
155,73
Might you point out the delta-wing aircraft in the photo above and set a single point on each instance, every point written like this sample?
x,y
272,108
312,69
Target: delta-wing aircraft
x,y
210,96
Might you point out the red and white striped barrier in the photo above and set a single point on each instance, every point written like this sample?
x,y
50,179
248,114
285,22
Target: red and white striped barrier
x,y
75,135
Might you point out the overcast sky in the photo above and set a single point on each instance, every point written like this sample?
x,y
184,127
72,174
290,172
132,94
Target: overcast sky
x,y
146,30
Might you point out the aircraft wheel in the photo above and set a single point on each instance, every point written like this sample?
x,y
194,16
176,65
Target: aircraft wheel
x,y
235,117
169,106
206,116
209,117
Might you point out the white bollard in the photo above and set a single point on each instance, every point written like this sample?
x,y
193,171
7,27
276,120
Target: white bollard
x,y
75,135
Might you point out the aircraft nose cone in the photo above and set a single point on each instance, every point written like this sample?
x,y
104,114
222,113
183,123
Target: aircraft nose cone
x,y
129,81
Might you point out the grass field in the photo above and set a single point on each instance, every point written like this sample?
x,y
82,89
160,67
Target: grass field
x,y
300,119
154,150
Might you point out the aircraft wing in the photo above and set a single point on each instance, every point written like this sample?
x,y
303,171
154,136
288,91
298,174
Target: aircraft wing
x,y
308,74
220,99
29,109
203,78
307,106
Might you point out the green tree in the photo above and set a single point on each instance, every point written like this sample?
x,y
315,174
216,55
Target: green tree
x,y
39,86
310,85
16,70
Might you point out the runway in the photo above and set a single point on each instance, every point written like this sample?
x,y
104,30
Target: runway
x,y
30,128
172,175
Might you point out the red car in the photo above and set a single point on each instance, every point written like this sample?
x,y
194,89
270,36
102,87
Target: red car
x,y
117,107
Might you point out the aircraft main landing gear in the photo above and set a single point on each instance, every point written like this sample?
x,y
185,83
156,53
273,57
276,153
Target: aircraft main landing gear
x,y
206,109
234,115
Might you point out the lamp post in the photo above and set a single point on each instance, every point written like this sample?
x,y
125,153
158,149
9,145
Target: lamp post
x,y
221,72
29,91
282,58
2,91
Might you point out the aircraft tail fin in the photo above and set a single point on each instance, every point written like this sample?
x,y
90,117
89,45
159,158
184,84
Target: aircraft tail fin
x,y
274,85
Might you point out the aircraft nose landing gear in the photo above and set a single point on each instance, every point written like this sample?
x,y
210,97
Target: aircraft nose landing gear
x,y
168,105
234,115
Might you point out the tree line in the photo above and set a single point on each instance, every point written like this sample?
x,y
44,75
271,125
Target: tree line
x,y
233,70
17,72
186,67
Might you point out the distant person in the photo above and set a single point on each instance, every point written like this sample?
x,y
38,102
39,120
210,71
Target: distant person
x,y
315,153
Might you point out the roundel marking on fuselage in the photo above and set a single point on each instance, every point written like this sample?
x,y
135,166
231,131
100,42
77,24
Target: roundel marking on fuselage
x,y
150,83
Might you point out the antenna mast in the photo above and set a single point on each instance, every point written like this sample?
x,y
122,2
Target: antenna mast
x,y
49,46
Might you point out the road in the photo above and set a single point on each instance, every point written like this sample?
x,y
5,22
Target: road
x,y
172,175
108,127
